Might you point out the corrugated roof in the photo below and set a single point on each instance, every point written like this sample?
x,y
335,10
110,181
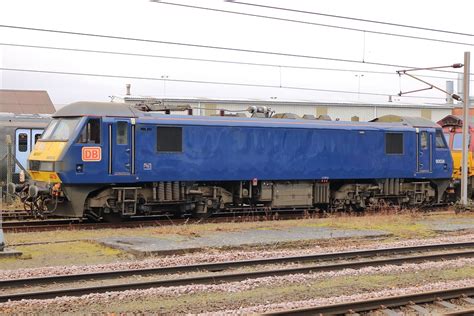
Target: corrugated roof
x,y
26,102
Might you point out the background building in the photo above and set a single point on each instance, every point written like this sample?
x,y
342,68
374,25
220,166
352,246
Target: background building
x,y
341,111
26,102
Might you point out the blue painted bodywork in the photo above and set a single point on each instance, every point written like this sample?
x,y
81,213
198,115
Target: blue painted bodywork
x,y
227,148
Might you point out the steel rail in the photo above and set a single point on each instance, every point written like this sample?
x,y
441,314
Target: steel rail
x,y
77,223
30,223
215,278
378,303
463,312
220,266
74,223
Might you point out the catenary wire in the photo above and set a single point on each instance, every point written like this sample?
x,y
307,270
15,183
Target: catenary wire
x,y
82,50
353,18
222,48
316,24
206,82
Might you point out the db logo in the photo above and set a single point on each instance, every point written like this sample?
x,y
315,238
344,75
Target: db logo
x,y
91,153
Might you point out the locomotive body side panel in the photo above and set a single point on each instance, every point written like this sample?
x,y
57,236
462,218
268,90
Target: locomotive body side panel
x,y
210,152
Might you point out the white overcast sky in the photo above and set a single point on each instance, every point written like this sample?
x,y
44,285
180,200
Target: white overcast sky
x,y
163,22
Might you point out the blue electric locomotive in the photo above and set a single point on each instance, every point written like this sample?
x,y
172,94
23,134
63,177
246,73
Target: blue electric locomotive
x,y
111,159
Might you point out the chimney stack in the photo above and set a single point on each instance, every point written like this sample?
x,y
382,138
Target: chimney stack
x,y
128,88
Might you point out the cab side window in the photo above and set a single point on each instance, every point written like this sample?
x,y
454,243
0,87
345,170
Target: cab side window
x,y
91,132
122,133
440,140
424,140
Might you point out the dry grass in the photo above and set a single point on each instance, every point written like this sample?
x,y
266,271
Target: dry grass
x,y
218,301
78,250
56,254
406,224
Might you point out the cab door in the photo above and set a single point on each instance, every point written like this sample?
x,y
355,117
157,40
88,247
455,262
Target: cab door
x,y
425,145
122,145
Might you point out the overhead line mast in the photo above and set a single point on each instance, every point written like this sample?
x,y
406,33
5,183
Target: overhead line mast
x,y
465,124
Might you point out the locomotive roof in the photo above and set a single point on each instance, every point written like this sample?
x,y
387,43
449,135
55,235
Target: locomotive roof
x,y
407,120
111,109
96,109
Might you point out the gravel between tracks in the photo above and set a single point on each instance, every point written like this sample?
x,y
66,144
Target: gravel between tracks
x,y
218,256
345,298
75,303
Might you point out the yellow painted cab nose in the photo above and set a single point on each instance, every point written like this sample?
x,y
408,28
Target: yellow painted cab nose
x,y
45,153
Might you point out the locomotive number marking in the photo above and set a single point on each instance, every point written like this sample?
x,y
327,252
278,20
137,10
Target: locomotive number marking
x,y
91,154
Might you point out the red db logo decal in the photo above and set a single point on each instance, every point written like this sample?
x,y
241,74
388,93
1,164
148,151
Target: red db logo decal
x,y
91,153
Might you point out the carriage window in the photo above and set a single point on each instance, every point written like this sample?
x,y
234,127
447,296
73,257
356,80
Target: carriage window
x,y
424,140
440,141
37,136
22,142
91,132
394,143
122,133
169,139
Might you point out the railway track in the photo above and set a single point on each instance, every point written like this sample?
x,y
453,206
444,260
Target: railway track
x,y
78,223
387,305
456,250
69,224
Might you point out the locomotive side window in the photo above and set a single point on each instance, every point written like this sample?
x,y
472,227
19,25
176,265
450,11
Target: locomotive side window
x,y
424,140
169,139
440,140
122,133
394,143
23,142
91,132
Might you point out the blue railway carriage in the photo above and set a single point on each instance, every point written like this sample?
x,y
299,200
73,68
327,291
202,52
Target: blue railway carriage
x,y
21,131
106,160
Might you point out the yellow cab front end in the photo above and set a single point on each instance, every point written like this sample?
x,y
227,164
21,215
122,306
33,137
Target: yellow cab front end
x,y
43,160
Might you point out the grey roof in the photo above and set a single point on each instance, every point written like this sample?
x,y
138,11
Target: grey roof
x,y
131,110
406,120
26,102
97,109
